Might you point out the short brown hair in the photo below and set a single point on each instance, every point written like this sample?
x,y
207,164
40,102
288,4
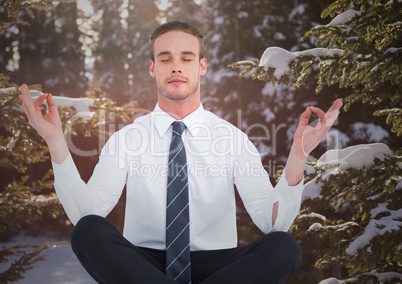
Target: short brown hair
x,y
176,26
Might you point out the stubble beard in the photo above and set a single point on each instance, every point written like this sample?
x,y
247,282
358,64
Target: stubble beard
x,y
175,96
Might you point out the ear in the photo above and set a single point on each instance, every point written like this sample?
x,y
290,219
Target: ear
x,y
152,68
203,66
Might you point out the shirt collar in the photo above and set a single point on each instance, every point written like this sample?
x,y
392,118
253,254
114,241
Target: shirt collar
x,y
162,120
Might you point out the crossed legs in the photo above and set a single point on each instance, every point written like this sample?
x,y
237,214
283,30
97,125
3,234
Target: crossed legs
x,y
110,258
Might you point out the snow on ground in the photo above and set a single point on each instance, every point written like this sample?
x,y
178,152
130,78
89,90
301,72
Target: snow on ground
x,y
59,267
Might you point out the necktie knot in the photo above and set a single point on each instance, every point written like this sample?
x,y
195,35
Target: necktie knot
x,y
178,128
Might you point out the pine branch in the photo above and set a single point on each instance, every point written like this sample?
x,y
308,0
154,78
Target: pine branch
x,y
27,256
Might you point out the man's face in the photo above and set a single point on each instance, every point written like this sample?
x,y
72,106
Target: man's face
x,y
177,67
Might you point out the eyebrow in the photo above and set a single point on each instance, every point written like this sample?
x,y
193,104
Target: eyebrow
x,y
169,53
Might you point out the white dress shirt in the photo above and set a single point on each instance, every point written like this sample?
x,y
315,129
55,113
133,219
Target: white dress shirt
x,y
219,155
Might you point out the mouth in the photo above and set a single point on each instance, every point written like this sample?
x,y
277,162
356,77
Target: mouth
x,y
176,80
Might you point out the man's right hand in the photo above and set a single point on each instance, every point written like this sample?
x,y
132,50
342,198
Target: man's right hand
x,y
49,126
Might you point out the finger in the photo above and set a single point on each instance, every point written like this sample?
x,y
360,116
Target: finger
x,y
336,105
27,101
318,112
38,102
25,109
25,96
32,108
321,117
27,106
333,112
305,116
51,103
24,90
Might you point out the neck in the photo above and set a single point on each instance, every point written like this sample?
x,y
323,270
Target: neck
x,y
178,109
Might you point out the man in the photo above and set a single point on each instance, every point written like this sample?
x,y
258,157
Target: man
x,y
180,164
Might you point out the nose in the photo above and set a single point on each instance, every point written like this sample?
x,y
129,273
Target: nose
x,y
176,69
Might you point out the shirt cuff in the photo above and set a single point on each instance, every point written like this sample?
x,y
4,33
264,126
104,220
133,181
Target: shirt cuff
x,y
289,202
282,183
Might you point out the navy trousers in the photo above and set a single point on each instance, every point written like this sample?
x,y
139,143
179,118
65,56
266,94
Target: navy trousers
x,y
110,258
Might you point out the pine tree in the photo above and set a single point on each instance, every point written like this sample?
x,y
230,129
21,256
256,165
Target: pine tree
x,y
236,30
25,203
21,204
70,79
352,223
122,50
48,51
360,51
240,30
141,22
28,202
185,11
352,226
111,56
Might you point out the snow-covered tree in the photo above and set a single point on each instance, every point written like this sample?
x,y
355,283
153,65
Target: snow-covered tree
x,y
360,49
50,43
183,10
242,29
237,30
141,22
24,202
28,202
110,56
351,220
68,60
122,50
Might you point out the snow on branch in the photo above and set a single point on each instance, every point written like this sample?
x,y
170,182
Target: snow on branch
x,y
357,191
391,222
279,65
356,157
344,17
280,59
79,104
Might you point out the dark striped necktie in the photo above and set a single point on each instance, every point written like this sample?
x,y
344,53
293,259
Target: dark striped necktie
x,y
178,264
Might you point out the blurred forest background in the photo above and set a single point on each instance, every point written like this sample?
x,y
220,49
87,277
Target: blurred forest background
x,y
100,50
